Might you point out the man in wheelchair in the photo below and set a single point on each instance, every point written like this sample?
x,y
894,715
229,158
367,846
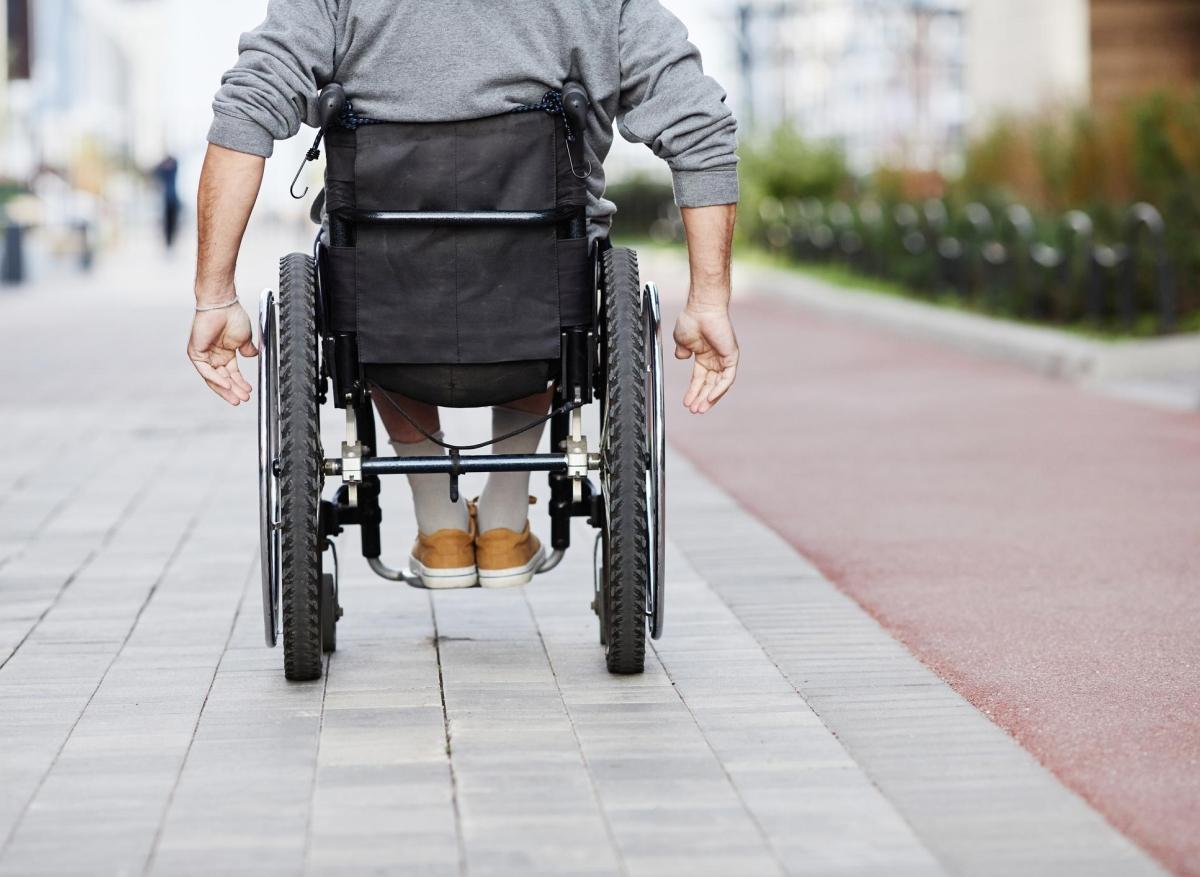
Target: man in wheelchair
x,y
464,261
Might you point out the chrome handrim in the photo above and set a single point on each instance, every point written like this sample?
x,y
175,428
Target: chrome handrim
x,y
268,464
656,474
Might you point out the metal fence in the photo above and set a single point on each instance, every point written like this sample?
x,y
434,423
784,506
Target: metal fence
x,y
1004,260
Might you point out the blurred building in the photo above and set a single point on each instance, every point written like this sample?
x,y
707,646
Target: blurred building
x,y
1028,55
1142,44
1024,56
83,84
884,78
98,91
907,81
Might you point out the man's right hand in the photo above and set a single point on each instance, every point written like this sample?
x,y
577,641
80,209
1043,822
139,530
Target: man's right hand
x,y
217,338
706,334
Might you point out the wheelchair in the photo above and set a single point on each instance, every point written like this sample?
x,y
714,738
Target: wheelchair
x,y
436,237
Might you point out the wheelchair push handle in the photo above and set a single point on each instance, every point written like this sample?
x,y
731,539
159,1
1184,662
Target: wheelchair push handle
x,y
576,106
331,102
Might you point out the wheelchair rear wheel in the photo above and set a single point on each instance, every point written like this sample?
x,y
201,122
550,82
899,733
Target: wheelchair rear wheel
x,y
624,577
290,471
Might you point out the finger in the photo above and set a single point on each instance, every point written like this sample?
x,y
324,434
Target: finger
x,y
235,374
235,388
248,349
682,352
722,386
226,394
699,406
696,386
210,374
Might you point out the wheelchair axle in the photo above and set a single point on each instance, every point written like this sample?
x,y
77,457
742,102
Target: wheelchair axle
x,y
445,465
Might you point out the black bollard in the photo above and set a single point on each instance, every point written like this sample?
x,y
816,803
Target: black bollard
x,y
980,225
870,221
1078,274
1016,233
1109,263
1141,221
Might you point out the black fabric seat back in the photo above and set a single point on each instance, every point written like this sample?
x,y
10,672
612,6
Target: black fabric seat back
x,y
449,295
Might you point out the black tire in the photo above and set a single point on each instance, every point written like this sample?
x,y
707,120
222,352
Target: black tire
x,y
330,611
623,467
300,477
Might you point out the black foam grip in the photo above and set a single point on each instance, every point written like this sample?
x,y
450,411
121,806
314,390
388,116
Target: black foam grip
x,y
576,105
330,104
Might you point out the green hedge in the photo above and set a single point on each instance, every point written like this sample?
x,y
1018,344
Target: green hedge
x,y
1146,151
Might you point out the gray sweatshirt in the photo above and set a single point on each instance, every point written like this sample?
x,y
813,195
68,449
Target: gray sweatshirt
x,y
451,60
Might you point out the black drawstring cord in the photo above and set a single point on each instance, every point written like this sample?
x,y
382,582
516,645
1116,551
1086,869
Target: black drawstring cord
x,y
352,121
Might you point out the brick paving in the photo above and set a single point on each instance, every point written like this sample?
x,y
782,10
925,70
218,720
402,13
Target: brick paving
x,y
144,728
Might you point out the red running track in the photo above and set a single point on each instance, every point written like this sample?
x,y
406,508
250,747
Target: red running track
x,y
1037,546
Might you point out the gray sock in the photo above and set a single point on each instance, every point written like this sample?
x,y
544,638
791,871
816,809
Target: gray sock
x,y
505,500
431,493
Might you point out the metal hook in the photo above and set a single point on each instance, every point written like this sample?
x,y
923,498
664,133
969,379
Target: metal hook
x,y
295,180
571,161
312,155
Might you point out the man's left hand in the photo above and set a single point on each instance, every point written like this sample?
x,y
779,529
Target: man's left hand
x,y
706,333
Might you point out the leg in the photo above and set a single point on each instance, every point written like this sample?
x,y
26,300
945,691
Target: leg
x,y
506,552
505,500
398,428
431,493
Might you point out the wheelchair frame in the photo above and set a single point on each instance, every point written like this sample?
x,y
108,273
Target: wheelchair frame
x,y
597,364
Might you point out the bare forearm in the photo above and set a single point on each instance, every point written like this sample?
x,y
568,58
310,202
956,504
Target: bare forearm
x,y
229,187
710,252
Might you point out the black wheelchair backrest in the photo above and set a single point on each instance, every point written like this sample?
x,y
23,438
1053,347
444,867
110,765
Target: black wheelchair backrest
x,y
458,242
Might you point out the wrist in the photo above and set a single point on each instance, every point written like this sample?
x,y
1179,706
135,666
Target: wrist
x,y
708,302
219,307
212,294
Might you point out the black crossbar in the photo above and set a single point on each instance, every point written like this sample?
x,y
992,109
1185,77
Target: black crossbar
x,y
457,218
466,465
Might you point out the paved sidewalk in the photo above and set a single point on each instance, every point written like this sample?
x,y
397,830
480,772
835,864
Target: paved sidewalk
x,y
144,729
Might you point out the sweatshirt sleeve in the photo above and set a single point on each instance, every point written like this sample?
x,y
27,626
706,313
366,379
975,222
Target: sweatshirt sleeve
x,y
670,105
281,66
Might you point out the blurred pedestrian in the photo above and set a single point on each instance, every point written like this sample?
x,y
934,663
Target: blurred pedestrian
x,y
167,174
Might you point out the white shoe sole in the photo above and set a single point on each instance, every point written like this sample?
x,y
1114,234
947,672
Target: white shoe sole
x,y
514,577
444,579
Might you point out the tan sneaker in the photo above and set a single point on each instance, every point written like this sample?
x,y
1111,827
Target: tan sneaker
x,y
507,559
446,559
